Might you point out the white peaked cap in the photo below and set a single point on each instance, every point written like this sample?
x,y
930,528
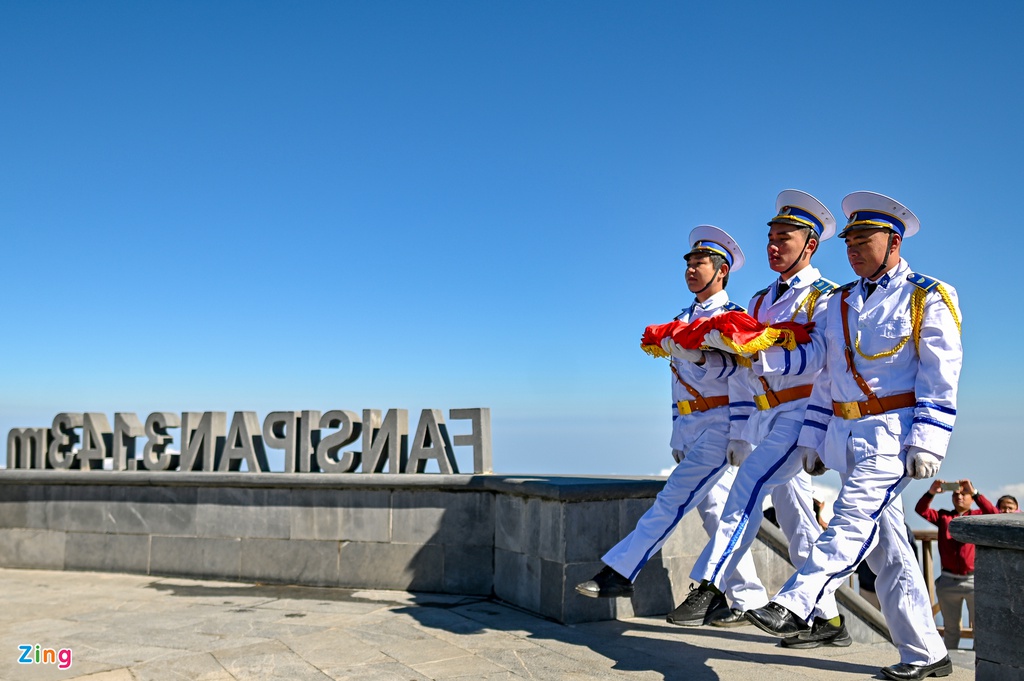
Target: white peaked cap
x,y
794,207
871,209
705,238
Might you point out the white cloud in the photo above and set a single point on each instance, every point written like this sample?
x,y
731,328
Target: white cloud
x,y
1015,490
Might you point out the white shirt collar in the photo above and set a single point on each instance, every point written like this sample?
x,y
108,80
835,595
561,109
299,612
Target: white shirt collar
x,y
804,277
717,300
895,272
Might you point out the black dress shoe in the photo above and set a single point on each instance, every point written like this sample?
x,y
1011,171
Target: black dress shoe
x,y
698,605
776,620
606,584
727,617
912,671
820,634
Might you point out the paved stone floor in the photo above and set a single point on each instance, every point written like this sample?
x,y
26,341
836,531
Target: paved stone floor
x,y
137,628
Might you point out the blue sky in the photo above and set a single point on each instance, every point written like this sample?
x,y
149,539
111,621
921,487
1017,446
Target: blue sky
x,y
255,205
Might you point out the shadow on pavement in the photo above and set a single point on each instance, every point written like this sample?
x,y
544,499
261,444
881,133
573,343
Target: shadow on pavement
x,y
631,646
598,647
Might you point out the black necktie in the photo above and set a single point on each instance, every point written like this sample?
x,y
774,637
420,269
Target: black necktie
x,y
870,288
780,288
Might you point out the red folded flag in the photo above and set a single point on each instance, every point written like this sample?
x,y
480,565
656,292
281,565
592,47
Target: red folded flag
x,y
741,331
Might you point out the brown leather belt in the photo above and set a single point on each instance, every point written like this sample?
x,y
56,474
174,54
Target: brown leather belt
x,y
702,404
773,398
856,410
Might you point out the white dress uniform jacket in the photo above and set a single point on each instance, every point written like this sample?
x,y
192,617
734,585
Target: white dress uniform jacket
x,y
697,482
781,368
896,350
894,358
772,468
686,429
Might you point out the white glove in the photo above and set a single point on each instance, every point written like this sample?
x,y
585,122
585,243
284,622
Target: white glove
x,y
812,462
738,451
713,339
677,350
678,455
921,463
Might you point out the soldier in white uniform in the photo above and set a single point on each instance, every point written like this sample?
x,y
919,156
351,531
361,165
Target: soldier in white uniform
x,y
881,414
743,588
767,404
700,434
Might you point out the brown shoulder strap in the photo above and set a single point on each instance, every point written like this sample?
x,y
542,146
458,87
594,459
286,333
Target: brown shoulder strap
x,y
697,397
757,305
769,394
844,310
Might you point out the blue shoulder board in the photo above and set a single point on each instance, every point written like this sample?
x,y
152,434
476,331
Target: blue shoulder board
x,y
733,307
922,282
763,291
845,287
824,286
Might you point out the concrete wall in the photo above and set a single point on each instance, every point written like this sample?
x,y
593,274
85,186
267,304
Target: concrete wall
x,y
998,597
527,540
296,529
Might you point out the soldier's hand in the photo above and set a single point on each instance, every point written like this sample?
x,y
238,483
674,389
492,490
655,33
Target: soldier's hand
x,y
921,463
738,451
713,339
677,350
812,462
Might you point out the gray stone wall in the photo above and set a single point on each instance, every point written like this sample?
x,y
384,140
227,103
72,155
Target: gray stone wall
x,y
527,540
195,525
998,593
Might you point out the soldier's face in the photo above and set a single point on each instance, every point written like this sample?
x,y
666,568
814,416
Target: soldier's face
x,y
786,245
866,249
699,271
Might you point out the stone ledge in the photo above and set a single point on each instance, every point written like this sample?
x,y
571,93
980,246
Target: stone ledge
x,y
1003,530
553,487
576,488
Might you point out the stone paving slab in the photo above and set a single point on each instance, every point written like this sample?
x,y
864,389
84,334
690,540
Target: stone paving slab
x,y
142,628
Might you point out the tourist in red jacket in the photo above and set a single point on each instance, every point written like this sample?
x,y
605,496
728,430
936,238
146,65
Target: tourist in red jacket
x,y
956,583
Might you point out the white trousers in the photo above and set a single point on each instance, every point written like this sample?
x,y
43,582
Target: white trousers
x,y
772,468
869,513
701,480
742,588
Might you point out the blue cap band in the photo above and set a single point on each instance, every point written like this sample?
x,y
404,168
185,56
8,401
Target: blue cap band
x,y
801,216
714,248
870,218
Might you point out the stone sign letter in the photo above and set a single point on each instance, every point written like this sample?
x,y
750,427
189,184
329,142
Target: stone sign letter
x,y
431,442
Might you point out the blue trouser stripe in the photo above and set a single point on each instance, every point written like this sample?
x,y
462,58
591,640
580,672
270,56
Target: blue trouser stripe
x,y
755,498
680,512
842,574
